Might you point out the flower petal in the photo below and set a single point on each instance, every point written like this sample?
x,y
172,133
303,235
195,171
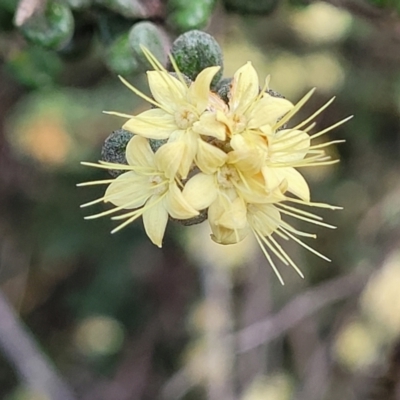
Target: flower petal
x,y
267,111
177,206
189,138
152,124
129,190
247,161
295,182
139,153
200,191
155,220
168,91
199,90
209,158
208,125
245,88
168,158
235,216
264,218
290,145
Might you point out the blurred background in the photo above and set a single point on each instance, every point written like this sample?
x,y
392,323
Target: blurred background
x,y
93,316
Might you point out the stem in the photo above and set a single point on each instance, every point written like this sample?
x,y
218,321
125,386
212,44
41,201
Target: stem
x,y
30,363
218,326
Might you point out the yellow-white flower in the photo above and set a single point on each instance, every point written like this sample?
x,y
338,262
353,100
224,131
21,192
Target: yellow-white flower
x,y
180,111
149,188
249,109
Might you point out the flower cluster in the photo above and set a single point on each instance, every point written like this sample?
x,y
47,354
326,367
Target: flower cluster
x,y
233,157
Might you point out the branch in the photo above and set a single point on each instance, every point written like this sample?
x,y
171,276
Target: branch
x,y
32,366
298,309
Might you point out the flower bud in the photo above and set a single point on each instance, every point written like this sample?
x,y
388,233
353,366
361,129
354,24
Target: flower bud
x,y
185,15
114,149
119,56
151,36
51,27
194,51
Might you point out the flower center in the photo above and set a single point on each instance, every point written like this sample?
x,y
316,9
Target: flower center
x,y
239,123
227,177
185,118
158,184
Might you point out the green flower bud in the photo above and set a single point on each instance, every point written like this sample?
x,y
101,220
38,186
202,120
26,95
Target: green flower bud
x,y
153,38
114,149
132,9
79,4
189,14
34,67
119,56
194,51
251,7
52,28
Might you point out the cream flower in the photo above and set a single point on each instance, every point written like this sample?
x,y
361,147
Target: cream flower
x,y
180,112
149,188
249,108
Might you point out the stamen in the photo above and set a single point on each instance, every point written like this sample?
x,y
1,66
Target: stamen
x,y
292,112
306,213
312,221
315,135
313,204
326,144
268,257
104,165
286,255
142,95
92,183
305,246
118,114
319,111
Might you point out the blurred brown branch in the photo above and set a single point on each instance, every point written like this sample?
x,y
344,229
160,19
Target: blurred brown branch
x,y
31,365
299,308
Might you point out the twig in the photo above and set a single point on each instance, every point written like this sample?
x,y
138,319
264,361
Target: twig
x,y
32,366
299,308
271,327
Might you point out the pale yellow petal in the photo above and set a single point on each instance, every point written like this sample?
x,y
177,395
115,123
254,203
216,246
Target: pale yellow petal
x,y
199,90
200,191
168,158
234,217
293,180
247,161
155,220
245,88
209,158
221,234
139,153
152,124
168,91
267,111
177,205
189,138
264,218
208,125
290,145
128,190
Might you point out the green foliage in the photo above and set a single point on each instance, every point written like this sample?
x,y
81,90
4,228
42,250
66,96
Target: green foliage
x,y
185,15
52,29
35,67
